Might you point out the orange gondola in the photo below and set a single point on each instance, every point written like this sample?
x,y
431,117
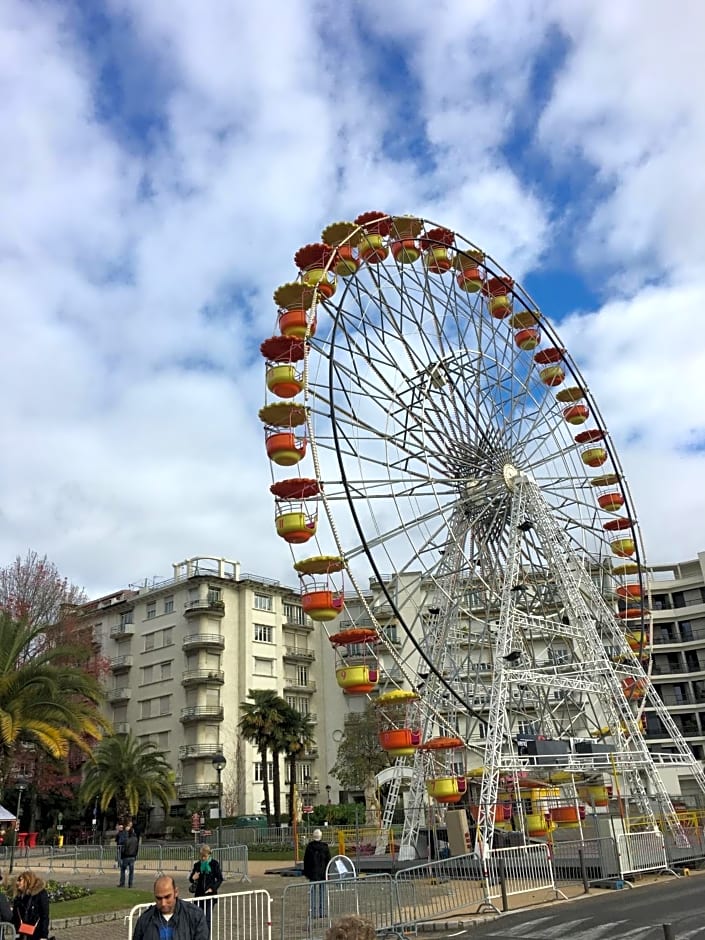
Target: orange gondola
x,y
403,233
343,237
372,245
437,244
313,262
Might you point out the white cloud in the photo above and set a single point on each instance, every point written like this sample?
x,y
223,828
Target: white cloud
x,y
268,121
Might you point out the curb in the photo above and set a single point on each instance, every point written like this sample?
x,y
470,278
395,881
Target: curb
x,y
85,920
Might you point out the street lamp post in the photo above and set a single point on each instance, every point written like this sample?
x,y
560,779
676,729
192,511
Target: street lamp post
x,y
219,763
21,787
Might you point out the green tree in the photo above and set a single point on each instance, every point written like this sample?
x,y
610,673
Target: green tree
x,y
298,737
360,758
48,699
262,723
126,772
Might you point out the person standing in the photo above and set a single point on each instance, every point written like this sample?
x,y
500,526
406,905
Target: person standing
x,y
316,858
207,877
128,856
30,907
120,837
170,918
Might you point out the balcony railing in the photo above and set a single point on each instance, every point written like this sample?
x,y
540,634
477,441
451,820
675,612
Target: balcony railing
x,y
121,727
121,663
198,640
205,607
203,677
192,791
121,629
194,751
296,685
199,712
297,652
119,695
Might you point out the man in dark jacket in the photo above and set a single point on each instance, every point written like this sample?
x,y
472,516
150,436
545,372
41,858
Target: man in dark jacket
x,y
170,918
316,858
128,856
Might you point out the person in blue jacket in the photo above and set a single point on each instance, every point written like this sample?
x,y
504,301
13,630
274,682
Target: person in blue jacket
x,y
170,918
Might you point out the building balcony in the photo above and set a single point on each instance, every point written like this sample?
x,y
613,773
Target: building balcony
x,y
294,685
203,677
214,641
195,791
121,664
201,713
307,625
119,695
196,751
121,727
214,608
121,630
299,654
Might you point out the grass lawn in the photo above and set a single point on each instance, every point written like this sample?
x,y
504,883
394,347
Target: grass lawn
x,y
101,901
285,856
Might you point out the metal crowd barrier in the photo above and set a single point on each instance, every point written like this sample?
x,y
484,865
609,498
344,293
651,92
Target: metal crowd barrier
x,y
309,909
641,851
450,886
153,856
520,869
587,860
243,916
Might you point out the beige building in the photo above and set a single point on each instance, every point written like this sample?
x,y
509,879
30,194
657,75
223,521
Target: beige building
x,y
184,653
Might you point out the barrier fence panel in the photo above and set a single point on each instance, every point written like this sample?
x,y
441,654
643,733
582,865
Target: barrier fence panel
x,y
234,861
309,909
434,889
77,856
679,854
243,916
641,851
520,869
595,859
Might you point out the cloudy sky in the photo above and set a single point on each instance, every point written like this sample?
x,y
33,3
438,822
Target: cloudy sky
x,y
162,161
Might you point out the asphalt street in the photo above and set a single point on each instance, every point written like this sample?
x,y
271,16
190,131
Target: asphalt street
x,y
629,914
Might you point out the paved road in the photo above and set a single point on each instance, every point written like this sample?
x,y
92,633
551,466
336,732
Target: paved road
x,y
629,914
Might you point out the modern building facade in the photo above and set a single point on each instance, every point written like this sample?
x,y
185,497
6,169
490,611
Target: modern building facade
x,y
183,654
678,668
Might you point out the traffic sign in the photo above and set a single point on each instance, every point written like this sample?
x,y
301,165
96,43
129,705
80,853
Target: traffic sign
x,y
307,809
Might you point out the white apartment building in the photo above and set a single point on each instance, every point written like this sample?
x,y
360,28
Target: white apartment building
x,y
678,668
183,654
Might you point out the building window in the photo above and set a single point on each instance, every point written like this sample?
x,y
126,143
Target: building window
x,y
263,667
151,610
169,604
302,675
263,633
301,705
258,771
127,617
168,636
294,613
214,595
147,674
148,642
165,670
165,705
263,602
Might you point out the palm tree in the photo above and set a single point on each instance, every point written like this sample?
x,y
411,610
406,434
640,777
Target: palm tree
x,y
47,698
260,724
127,772
298,734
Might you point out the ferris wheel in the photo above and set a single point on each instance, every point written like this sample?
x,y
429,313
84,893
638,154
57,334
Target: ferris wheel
x,y
429,433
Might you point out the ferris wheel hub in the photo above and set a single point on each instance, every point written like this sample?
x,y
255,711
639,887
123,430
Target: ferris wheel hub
x,y
510,474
